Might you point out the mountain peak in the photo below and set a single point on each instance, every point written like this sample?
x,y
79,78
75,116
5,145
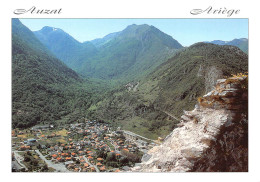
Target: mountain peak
x,y
135,27
47,30
60,43
241,43
148,32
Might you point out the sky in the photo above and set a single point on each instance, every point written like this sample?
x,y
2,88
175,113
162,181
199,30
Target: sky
x,y
185,31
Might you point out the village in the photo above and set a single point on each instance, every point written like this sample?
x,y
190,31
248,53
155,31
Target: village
x,y
89,146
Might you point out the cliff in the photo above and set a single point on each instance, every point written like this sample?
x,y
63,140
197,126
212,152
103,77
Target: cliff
x,y
212,137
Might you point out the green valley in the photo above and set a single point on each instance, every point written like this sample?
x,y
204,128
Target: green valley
x,y
44,90
139,79
151,105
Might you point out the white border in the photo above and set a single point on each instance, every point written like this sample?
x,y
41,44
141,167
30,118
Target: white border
x,y
130,9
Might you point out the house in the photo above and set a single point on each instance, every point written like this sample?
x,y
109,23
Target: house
x,y
13,133
54,156
68,158
68,163
82,161
126,168
24,147
31,141
99,164
103,168
42,127
43,146
92,169
90,157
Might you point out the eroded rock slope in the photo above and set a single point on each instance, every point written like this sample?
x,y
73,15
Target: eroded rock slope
x,y
212,137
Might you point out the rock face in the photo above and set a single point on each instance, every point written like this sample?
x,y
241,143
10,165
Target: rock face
x,y
212,137
211,76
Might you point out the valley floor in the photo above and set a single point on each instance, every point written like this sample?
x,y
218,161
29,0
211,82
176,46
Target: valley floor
x,y
82,147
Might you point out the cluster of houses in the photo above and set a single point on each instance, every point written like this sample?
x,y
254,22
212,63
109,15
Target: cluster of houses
x,y
82,142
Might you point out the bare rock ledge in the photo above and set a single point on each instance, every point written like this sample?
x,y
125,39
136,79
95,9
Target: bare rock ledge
x,y
212,137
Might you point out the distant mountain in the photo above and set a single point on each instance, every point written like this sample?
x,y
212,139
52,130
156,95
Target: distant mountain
x,y
64,46
240,43
149,106
101,41
43,88
128,54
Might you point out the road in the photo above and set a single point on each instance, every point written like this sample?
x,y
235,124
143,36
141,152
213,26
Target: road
x,y
19,159
58,167
91,165
136,135
169,114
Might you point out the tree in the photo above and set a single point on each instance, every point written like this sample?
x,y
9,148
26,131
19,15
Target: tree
x,y
27,158
101,154
111,157
45,167
131,157
34,162
39,146
123,161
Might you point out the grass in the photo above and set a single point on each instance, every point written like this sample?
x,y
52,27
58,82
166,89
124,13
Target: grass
x,y
50,169
62,132
22,136
134,125
149,90
61,140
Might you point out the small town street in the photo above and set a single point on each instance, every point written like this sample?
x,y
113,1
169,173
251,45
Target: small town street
x,y
58,167
91,165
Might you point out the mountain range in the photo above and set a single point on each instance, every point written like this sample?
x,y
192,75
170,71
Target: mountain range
x,y
44,89
139,78
130,53
241,43
152,106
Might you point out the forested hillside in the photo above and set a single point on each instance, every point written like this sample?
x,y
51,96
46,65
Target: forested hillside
x,y
125,55
150,105
140,78
44,89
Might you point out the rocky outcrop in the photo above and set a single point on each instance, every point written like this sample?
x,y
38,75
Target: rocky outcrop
x,y
212,137
211,76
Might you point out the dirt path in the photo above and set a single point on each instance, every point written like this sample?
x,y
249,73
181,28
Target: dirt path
x,y
172,116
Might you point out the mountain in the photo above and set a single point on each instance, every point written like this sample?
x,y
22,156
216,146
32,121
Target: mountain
x,y
160,78
240,43
101,41
64,46
43,88
152,105
124,55
211,137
